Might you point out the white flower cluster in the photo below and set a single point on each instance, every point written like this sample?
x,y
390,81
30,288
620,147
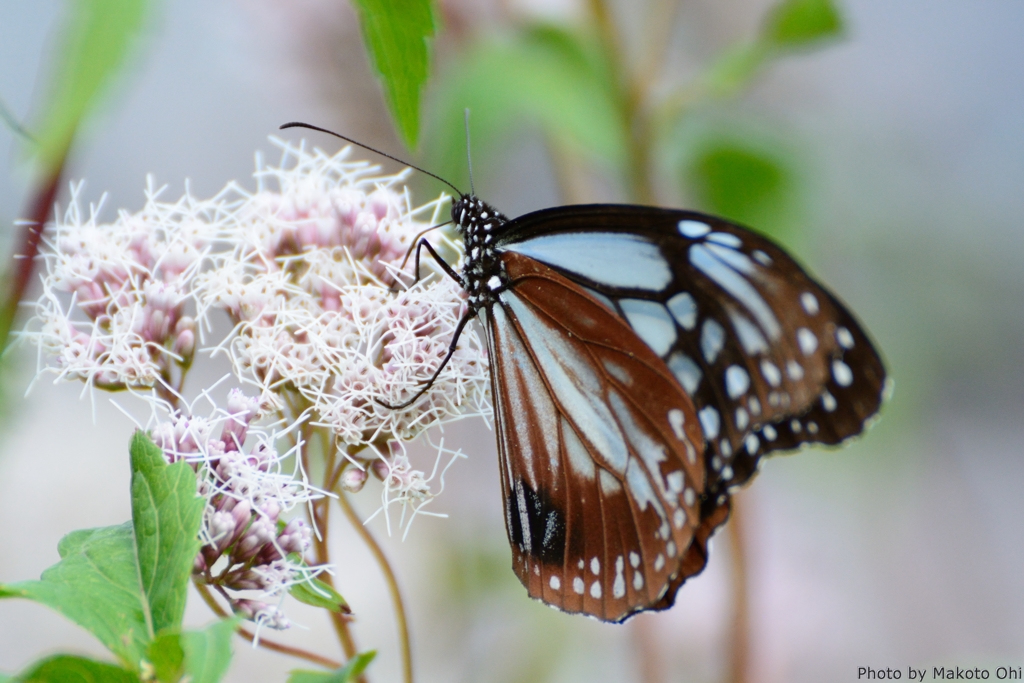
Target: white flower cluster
x,y
246,544
325,328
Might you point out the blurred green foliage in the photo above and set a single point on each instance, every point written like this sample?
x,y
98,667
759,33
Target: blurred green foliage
x,y
95,42
753,183
127,584
397,35
544,76
798,23
72,669
355,666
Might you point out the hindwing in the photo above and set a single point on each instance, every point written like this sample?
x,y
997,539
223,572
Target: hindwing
x,y
602,465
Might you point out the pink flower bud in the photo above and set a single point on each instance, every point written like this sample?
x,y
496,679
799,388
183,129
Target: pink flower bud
x,y
296,537
185,343
259,533
221,529
352,480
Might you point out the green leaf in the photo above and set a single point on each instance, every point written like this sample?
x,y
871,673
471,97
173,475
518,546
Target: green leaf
x,y
96,585
208,652
544,77
796,23
736,68
748,183
71,669
319,594
94,42
166,657
166,515
397,35
352,669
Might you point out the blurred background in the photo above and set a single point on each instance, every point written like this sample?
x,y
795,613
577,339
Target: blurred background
x,y
891,161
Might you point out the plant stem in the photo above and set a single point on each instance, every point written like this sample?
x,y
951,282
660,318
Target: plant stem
x,y
208,598
321,510
738,655
25,256
392,583
630,100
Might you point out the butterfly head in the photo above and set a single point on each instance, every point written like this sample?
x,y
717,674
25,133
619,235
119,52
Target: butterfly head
x,y
475,217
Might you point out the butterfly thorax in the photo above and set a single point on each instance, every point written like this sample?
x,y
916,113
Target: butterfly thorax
x,y
479,223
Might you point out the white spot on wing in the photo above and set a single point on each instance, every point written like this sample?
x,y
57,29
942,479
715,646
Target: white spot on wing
x,y
638,581
683,309
772,375
675,481
634,560
595,590
728,239
810,303
651,322
619,585
769,432
494,282
742,419
595,566
555,583
617,259
685,370
807,341
577,586
750,337
737,381
693,229
841,371
844,338
659,562
676,419
712,338
828,401
709,422
794,370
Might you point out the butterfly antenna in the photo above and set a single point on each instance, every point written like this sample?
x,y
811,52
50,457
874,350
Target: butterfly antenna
x,y
469,157
299,124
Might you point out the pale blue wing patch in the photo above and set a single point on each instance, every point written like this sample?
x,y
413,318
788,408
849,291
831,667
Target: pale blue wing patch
x,y
614,259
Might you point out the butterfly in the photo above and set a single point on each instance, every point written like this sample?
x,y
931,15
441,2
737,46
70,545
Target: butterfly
x,y
643,360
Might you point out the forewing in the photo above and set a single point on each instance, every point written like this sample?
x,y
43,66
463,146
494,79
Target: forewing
x,y
771,359
601,458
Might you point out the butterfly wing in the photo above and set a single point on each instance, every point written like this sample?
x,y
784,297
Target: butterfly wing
x,y
601,458
771,359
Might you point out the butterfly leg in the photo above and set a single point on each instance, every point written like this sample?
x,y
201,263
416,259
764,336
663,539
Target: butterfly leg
x,y
440,261
469,315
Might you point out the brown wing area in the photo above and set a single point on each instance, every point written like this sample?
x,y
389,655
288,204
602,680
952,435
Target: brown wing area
x,y
601,457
